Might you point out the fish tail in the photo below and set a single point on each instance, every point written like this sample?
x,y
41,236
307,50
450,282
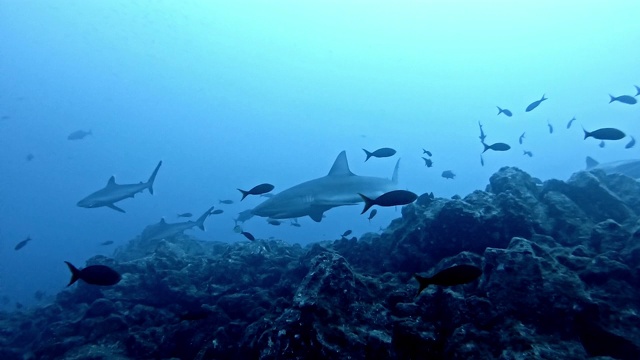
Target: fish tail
x,y
244,194
152,178
637,90
543,98
368,155
486,147
500,111
368,203
423,282
586,133
612,98
75,273
203,217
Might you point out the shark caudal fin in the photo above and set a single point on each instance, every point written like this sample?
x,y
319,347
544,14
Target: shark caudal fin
x,y
203,217
153,178
75,273
394,177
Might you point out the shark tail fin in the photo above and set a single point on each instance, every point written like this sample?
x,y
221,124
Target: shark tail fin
x,y
422,281
152,178
368,155
368,203
394,176
203,217
75,273
591,163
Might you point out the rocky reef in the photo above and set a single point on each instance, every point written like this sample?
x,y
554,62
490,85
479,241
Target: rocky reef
x,y
561,276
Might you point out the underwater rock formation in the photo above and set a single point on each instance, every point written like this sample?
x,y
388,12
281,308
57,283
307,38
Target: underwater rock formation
x,y
561,276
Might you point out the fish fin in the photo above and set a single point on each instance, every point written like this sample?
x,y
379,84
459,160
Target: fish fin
x,y
203,217
637,90
586,133
591,163
152,178
394,176
500,111
423,282
111,181
486,147
340,166
367,203
612,98
316,213
543,98
244,194
114,207
368,155
75,273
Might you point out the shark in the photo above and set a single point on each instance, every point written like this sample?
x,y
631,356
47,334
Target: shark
x,y
313,198
163,230
630,168
113,192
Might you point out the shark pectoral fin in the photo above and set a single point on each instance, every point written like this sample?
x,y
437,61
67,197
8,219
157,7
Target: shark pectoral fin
x,y
112,206
317,212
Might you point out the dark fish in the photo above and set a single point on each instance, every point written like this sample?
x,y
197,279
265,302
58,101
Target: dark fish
x,y
108,242
426,152
248,235
217,212
521,138
482,135
625,99
372,214
227,202
391,198
455,275
604,134
346,233
22,243
504,111
448,174
535,104
274,222
631,143
637,90
380,153
79,135
427,162
257,190
571,122
481,160
95,275
496,147
550,127
30,157
601,144
528,153
186,215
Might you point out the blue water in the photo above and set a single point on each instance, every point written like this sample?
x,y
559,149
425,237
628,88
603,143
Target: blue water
x,y
232,94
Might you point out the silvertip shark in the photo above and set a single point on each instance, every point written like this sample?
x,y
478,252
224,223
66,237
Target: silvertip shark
x,y
163,230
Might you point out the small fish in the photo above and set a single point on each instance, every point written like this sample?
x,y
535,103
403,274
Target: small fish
x,y
372,214
482,135
625,99
274,222
257,190
295,224
637,90
604,134
631,143
535,104
448,174
380,153
22,243
29,157
226,202
391,198
481,160
217,212
79,135
237,229
346,233
528,153
95,275
248,235
426,152
427,162
504,111
496,147
521,138
601,144
185,215
455,275
571,122
550,127
108,242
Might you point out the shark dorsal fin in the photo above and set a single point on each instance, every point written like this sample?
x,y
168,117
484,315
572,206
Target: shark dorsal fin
x,y
111,181
340,166
591,163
